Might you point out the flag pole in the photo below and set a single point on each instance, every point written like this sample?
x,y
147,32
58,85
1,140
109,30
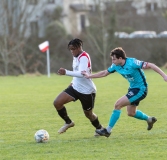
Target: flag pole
x,y
44,47
48,61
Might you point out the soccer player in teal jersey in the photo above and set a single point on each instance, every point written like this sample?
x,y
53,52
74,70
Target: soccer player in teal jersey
x,y
132,70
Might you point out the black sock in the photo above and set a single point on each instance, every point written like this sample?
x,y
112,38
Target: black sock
x,y
96,123
63,114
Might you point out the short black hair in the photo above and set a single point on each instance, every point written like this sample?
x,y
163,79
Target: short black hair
x,y
118,52
76,43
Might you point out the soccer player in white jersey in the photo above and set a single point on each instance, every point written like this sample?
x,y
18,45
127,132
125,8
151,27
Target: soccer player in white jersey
x,y
81,88
132,70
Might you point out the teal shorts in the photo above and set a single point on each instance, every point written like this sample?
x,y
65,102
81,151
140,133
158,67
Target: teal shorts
x,y
135,95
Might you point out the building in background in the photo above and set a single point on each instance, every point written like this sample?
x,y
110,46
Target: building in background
x,y
74,15
144,6
31,16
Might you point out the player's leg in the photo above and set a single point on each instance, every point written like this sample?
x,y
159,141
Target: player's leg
x,y
93,118
59,102
87,102
123,101
131,96
133,112
135,96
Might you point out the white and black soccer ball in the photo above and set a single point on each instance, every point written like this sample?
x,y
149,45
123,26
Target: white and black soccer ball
x,y
41,136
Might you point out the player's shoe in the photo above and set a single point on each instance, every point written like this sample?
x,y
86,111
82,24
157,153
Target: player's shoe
x,y
103,132
96,134
65,127
151,122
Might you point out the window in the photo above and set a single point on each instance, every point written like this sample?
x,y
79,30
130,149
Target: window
x,y
151,6
51,1
33,2
82,22
34,28
92,8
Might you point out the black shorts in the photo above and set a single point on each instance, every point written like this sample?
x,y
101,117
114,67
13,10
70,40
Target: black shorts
x,y
87,100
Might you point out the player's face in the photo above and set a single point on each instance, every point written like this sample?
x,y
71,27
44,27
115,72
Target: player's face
x,y
75,51
116,61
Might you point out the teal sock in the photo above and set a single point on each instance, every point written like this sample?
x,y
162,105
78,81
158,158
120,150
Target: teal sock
x,y
114,117
140,115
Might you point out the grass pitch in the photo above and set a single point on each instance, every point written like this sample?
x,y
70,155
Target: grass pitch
x,y
26,106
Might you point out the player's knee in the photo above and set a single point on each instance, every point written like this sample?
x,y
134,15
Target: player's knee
x,y
130,114
54,103
89,115
117,106
57,104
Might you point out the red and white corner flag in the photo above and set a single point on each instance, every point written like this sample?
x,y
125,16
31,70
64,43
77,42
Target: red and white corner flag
x,y
44,46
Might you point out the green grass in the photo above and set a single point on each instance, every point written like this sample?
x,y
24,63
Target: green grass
x,y
26,106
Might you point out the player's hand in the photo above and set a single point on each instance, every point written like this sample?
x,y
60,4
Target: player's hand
x,y
165,78
61,71
85,74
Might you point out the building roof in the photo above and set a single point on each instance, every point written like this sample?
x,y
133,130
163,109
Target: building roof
x,y
79,7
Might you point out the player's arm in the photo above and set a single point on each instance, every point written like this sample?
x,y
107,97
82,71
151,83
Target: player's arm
x,y
63,71
152,66
82,67
96,75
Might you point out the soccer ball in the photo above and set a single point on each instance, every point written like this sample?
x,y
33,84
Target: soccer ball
x,y
41,136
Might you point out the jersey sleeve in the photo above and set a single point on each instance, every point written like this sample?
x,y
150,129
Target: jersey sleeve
x,y
137,63
82,67
111,69
74,74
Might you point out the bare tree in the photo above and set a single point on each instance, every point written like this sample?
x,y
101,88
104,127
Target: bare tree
x,y
100,34
58,37
15,30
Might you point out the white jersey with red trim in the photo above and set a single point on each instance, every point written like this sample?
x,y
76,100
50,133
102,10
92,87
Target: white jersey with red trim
x,y
82,84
